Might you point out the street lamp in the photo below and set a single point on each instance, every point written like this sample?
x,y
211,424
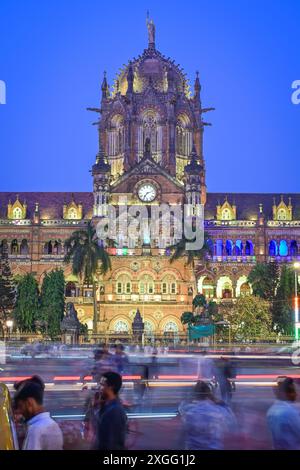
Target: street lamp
x,y
297,325
9,324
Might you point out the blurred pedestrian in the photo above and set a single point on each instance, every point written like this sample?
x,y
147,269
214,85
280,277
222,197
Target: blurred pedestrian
x,y
103,363
283,417
206,421
225,373
111,423
120,359
43,433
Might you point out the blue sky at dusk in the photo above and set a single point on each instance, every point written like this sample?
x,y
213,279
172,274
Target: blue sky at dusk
x,y
53,54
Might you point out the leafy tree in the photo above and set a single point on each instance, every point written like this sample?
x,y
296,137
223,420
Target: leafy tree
x,y
276,285
282,308
27,304
52,302
87,256
249,318
7,287
264,279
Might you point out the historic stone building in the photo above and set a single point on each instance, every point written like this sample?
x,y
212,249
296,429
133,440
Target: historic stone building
x,y
150,153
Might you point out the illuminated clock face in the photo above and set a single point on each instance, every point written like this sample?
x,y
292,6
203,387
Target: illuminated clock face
x,y
147,192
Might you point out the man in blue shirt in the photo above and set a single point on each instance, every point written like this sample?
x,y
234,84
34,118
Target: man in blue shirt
x,y
111,421
283,417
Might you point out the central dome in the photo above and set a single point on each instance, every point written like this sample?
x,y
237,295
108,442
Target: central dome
x,y
152,68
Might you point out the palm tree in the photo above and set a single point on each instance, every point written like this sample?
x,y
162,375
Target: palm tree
x,y
179,251
87,256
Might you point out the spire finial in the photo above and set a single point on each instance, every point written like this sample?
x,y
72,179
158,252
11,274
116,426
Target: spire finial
x,y
151,32
104,87
197,86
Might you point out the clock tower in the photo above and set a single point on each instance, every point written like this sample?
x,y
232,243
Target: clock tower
x,y
151,154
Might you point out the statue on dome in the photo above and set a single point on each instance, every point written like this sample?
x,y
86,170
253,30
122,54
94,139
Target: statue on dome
x,y
151,30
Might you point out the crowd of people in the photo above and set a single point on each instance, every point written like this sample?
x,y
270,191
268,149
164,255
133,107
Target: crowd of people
x,y
206,420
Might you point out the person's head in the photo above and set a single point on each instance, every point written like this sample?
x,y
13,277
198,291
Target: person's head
x,y
35,378
98,354
202,391
103,347
110,385
119,348
28,399
286,389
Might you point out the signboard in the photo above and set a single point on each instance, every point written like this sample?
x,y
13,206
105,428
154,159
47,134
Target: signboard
x,y
201,331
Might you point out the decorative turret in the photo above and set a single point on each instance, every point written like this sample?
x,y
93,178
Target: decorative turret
x,y
192,179
171,80
105,88
282,211
197,87
101,172
36,215
16,211
130,79
261,215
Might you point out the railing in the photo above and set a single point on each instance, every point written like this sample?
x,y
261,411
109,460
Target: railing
x,y
53,256
62,222
283,259
19,257
283,223
80,300
232,259
230,223
15,222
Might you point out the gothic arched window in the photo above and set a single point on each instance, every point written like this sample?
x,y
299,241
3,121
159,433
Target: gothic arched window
x,y
169,285
116,136
146,285
121,327
150,135
24,250
17,213
294,248
184,143
273,248
183,136
171,327
72,214
282,215
124,284
226,214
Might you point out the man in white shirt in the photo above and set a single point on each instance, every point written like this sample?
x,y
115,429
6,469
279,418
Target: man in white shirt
x,y
43,433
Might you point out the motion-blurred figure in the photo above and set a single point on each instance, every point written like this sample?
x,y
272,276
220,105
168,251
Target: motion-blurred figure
x,y
120,359
225,372
283,417
206,421
103,363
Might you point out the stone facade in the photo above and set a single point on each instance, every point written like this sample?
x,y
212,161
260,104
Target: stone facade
x,y
151,142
